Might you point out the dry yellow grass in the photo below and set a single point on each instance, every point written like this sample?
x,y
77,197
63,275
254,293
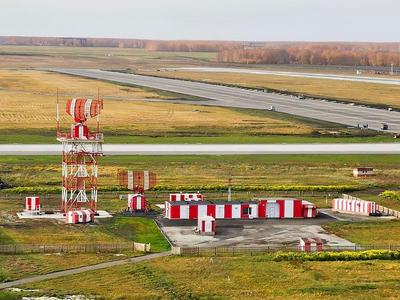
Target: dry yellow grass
x,y
344,90
27,99
233,278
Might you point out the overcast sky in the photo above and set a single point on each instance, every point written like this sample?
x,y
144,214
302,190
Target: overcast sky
x,y
266,20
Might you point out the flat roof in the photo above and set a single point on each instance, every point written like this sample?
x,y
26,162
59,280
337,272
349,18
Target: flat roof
x,y
233,202
274,199
210,202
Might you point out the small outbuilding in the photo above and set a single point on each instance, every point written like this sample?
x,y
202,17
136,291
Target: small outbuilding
x,y
32,205
363,172
137,202
310,245
79,216
186,197
353,205
206,225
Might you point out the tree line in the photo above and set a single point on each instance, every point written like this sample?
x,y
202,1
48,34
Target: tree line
x,y
305,53
351,54
151,45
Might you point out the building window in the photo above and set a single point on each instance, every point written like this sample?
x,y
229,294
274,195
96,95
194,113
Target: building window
x,y
246,210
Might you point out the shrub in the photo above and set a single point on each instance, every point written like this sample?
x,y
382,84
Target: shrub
x,y
336,256
395,195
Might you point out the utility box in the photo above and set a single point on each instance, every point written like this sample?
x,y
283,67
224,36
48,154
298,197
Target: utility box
x,y
310,245
137,202
79,216
32,205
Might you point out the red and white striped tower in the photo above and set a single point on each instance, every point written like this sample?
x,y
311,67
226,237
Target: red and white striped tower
x,y
81,150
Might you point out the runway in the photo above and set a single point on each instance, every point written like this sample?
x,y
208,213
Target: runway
x,y
366,79
217,95
211,149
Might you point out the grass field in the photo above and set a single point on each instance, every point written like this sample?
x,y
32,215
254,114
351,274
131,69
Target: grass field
x,y
9,137
367,93
27,98
89,57
296,172
113,230
233,278
374,232
19,266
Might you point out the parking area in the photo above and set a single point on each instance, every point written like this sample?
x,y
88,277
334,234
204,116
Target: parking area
x,y
252,233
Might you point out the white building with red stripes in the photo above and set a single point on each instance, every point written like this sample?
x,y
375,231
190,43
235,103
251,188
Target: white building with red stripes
x,y
352,205
206,225
79,216
311,245
32,204
186,197
137,202
264,208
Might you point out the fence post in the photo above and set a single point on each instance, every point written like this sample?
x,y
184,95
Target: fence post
x,y
215,251
233,251
198,251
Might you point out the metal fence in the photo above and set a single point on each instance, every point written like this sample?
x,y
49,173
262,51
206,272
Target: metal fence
x,y
74,248
238,251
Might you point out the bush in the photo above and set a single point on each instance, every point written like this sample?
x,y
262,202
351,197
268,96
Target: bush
x,y
206,187
222,187
337,256
392,195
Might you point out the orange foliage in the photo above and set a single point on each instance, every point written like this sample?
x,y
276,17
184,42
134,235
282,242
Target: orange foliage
x,y
362,54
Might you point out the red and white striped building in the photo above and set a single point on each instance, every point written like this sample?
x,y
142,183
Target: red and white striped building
x,y
32,204
186,197
264,208
137,202
206,225
308,245
309,209
79,216
354,205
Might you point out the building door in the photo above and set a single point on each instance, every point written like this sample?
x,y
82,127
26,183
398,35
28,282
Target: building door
x,y
273,210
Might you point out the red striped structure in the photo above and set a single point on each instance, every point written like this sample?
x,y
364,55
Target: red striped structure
x,y
83,109
265,208
79,216
309,245
81,151
186,197
309,209
137,202
137,181
206,225
354,206
79,131
32,204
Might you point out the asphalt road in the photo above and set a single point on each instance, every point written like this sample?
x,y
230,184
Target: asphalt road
x,y
366,79
211,149
236,97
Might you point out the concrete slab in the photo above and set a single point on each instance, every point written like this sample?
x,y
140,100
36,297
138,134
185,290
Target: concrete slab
x,y
253,233
57,215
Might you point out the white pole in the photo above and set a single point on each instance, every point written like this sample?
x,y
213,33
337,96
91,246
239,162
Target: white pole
x,y
58,114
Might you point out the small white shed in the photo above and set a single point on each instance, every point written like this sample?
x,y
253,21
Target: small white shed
x,y
206,225
363,172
